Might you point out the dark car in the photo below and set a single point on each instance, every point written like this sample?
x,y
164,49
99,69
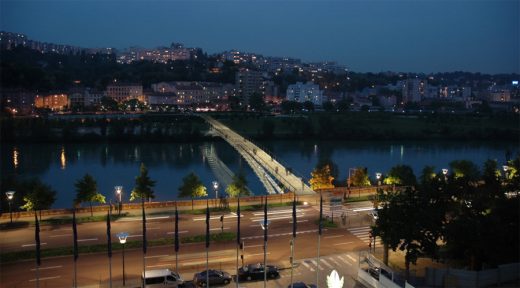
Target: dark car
x,y
256,272
216,277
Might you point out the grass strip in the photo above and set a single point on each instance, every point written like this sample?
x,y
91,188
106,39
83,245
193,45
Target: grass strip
x,y
98,248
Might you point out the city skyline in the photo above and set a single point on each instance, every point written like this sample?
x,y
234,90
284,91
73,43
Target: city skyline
x,y
427,37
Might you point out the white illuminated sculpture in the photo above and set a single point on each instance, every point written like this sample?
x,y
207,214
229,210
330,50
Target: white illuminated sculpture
x,y
333,280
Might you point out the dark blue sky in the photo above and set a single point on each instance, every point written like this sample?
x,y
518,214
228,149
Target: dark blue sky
x,y
364,35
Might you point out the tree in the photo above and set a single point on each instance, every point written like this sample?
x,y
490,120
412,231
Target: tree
x,y
238,187
402,226
309,106
465,169
192,187
108,104
86,191
328,106
38,196
321,178
401,175
360,177
256,102
143,185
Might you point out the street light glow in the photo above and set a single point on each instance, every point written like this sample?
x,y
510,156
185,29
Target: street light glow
x,y
122,237
445,171
378,175
10,195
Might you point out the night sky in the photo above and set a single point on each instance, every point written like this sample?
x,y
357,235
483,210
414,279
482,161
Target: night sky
x,y
366,36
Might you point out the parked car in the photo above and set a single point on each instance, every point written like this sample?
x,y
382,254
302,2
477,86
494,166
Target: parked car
x,y
162,278
256,272
216,277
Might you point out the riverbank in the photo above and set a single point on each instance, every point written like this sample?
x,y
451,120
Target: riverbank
x,y
353,126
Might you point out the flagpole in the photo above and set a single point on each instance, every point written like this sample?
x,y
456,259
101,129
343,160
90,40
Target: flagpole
x,y
207,243
176,239
109,246
293,238
37,239
319,240
265,242
144,241
238,235
75,236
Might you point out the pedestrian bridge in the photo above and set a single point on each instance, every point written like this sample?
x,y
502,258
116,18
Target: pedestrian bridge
x,y
273,175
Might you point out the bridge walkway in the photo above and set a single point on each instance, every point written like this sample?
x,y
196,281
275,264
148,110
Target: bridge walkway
x,y
270,165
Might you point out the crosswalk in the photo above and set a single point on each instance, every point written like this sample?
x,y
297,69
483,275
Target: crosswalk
x,y
363,233
327,264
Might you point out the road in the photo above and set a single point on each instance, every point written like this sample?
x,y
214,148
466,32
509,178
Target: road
x,y
93,268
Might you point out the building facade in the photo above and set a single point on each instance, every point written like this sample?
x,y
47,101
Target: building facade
x,y
121,92
301,92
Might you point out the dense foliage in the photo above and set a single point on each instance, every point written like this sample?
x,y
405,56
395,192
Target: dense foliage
x,y
467,217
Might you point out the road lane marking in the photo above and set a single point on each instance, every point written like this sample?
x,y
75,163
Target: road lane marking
x,y
29,245
60,235
281,234
344,243
90,239
335,262
213,229
258,254
326,263
344,261
352,258
359,229
261,245
45,278
45,268
316,264
308,266
299,221
153,228
334,236
173,232
137,235
158,265
213,260
156,256
277,212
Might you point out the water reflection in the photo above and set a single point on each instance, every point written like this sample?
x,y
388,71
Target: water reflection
x,y
111,164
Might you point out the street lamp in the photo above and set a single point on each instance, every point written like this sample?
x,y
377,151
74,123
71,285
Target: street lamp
x,y
378,177
10,195
265,226
122,239
445,173
506,168
119,193
215,187
349,182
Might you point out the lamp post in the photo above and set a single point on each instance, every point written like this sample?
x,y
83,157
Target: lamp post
x,y
122,239
265,226
445,173
10,195
215,187
506,168
378,177
119,193
349,182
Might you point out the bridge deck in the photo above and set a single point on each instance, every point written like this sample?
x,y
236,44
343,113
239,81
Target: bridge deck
x,y
250,150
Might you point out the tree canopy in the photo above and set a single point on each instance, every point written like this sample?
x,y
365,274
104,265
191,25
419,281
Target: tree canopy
x,y
401,175
192,187
360,177
321,178
143,185
38,196
238,187
86,191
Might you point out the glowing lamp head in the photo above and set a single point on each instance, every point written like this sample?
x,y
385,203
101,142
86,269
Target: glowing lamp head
x,y
122,237
445,171
10,195
378,175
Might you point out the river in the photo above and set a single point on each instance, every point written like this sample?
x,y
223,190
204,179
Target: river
x,y
111,164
